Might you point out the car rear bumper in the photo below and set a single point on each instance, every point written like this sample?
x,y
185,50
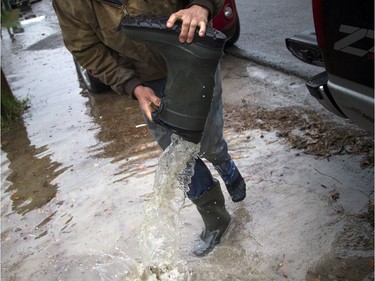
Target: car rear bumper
x,y
344,98
355,100
318,88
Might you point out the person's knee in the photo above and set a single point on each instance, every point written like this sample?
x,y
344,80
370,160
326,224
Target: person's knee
x,y
216,154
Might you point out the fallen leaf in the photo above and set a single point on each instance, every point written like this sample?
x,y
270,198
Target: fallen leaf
x,y
334,194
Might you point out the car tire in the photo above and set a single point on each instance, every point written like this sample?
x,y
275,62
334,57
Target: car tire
x,y
91,83
235,36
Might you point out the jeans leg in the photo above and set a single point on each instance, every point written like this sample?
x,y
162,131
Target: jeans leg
x,y
228,171
213,145
215,149
200,181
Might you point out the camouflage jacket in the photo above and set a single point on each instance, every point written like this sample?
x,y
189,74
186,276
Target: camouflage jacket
x,y
91,32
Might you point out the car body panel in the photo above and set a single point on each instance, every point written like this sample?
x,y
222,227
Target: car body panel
x,y
344,31
356,101
348,54
349,39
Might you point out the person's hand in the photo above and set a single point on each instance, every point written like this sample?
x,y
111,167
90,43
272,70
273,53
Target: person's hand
x,y
147,99
193,17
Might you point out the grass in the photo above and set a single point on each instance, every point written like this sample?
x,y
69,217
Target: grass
x,y
11,109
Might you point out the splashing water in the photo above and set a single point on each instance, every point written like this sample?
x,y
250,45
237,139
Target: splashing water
x,y
159,234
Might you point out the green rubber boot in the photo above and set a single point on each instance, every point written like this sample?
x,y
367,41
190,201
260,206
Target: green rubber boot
x,y
191,68
211,206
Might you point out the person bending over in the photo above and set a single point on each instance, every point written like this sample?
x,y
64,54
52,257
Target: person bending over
x,y
91,32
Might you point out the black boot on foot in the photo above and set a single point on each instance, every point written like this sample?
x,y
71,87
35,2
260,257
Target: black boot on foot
x,y
233,180
211,206
237,189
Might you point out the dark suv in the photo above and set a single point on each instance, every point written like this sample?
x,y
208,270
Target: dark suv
x,y
342,43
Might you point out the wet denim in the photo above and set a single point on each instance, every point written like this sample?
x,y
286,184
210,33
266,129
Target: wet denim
x,y
213,146
200,181
228,171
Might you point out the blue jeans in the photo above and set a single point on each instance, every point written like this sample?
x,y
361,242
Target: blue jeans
x,y
213,146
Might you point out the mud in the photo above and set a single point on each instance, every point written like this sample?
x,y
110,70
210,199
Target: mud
x,y
292,113
78,170
302,129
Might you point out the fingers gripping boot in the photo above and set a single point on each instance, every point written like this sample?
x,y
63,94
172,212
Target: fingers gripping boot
x,y
211,206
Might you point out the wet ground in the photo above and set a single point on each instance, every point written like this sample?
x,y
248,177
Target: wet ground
x,y
78,171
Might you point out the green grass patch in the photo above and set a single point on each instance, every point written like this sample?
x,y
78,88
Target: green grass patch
x,y
12,109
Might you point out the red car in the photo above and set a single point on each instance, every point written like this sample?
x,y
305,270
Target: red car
x,y
227,21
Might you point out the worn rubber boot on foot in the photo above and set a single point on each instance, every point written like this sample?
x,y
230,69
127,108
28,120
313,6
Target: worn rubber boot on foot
x,y
211,206
233,179
237,189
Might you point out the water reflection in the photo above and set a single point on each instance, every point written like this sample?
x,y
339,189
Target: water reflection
x,y
31,176
121,134
122,130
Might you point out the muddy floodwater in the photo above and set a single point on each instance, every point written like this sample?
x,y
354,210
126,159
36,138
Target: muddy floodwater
x,y
79,170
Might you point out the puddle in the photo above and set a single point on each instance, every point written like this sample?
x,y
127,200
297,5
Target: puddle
x,y
78,174
30,175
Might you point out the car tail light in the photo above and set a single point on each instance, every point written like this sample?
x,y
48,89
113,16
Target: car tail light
x,y
304,47
318,13
228,11
226,16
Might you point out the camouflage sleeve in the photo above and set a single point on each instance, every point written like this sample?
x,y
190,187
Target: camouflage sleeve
x,y
82,41
213,6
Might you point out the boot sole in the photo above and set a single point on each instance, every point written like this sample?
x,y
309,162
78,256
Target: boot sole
x,y
236,200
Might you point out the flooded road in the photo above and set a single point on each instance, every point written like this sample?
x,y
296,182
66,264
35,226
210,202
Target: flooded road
x,y
79,170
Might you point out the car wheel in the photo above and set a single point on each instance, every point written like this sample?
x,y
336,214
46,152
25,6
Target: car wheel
x,y
235,36
92,84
